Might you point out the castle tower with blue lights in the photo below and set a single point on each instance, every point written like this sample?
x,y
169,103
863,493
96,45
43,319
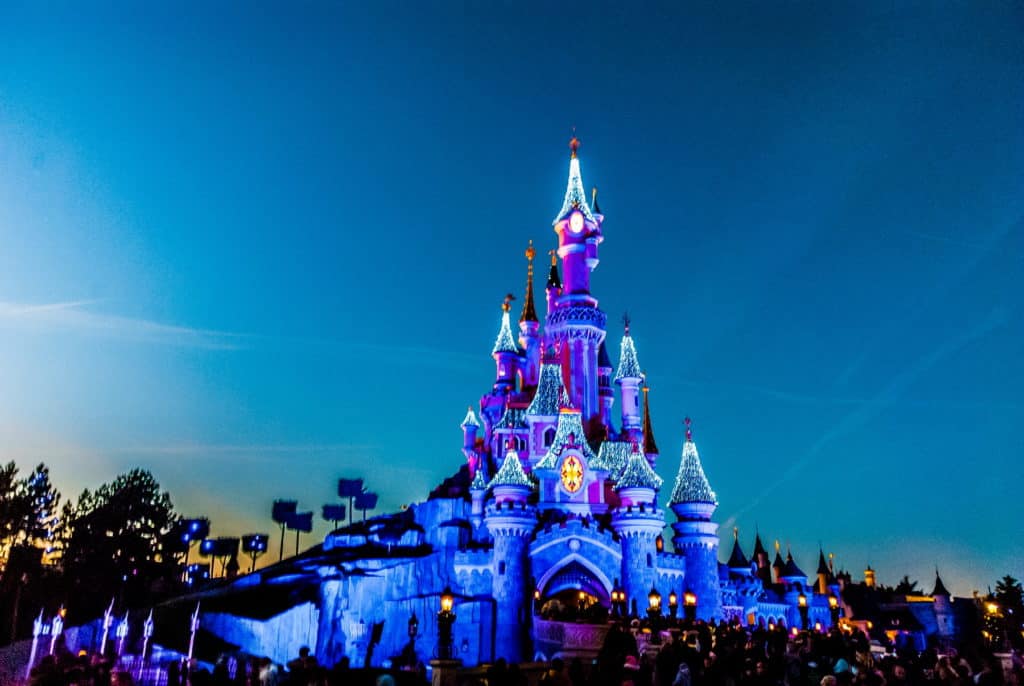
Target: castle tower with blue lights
x,y
553,521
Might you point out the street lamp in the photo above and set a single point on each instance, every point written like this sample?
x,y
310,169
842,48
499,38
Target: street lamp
x,y
654,614
801,601
536,600
445,619
618,600
673,604
690,605
833,608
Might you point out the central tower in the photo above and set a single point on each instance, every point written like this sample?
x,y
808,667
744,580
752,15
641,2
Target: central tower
x,y
575,324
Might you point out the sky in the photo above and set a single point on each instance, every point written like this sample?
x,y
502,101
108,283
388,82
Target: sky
x,y
255,248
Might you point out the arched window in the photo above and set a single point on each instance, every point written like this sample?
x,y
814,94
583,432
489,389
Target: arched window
x,y
501,567
650,562
549,436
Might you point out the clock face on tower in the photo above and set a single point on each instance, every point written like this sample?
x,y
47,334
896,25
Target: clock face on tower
x,y
572,473
576,221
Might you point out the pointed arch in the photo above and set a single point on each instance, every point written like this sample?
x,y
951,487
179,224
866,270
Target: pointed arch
x,y
583,562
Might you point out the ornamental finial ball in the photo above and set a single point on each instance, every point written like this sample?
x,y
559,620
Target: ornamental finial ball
x,y
574,145
530,252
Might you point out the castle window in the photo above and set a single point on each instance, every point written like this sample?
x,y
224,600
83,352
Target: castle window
x,y
501,568
549,436
650,562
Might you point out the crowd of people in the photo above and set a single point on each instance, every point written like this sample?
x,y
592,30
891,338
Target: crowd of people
x,y
697,655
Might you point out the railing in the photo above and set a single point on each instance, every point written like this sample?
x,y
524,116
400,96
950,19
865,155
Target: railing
x,y
568,638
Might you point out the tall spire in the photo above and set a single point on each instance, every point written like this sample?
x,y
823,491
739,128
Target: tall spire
x,y
629,365
505,342
650,447
638,473
575,195
529,313
691,484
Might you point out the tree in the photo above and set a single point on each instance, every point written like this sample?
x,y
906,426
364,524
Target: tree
x,y
113,543
907,587
28,509
1009,598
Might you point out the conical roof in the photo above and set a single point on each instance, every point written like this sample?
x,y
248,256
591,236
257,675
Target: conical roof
x,y
822,564
638,473
940,588
790,569
569,435
758,546
603,361
546,400
470,419
511,472
629,366
505,342
479,482
650,447
691,484
737,560
575,196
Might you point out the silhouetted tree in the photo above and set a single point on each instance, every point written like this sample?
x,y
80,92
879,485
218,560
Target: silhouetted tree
x,y
1009,596
114,543
28,509
907,587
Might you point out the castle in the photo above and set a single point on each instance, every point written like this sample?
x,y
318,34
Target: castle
x,y
557,505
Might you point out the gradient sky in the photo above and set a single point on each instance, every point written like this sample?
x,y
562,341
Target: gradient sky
x,y
255,249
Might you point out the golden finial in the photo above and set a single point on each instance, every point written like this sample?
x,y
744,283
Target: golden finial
x,y
530,253
778,547
554,257
735,533
574,143
506,305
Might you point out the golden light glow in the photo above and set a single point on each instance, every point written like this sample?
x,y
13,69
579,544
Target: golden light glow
x,y
991,608
447,600
673,599
833,602
801,600
690,598
654,599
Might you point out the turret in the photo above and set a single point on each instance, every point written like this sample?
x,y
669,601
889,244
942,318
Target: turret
x,y
629,377
571,477
553,289
505,352
510,521
477,492
764,570
579,233
529,329
650,447
574,320
791,573
825,578
638,522
944,617
470,425
696,536
869,577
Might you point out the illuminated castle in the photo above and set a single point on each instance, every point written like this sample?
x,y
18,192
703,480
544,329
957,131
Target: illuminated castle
x,y
557,506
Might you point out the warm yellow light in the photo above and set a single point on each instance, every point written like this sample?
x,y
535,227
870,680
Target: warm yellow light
x,y
991,608
447,600
871,625
817,626
536,594
673,599
583,595
801,600
690,599
771,627
654,599
833,602
795,631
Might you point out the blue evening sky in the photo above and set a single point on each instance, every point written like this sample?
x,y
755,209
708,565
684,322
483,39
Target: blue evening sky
x,y
255,248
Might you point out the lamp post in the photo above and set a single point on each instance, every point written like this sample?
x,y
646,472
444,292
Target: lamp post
x,y
618,601
801,601
654,614
445,619
536,601
690,605
833,608
673,604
